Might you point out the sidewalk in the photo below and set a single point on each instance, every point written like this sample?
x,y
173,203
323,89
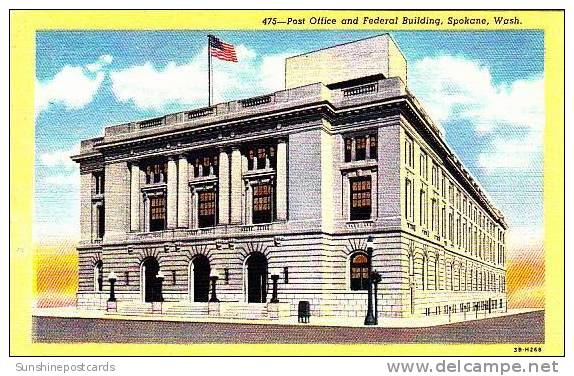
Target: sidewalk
x,y
416,322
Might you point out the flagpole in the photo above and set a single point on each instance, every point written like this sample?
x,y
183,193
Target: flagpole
x,y
209,78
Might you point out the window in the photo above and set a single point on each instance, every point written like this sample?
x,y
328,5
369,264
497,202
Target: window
x,y
365,148
423,165
409,198
101,222
360,148
156,173
423,208
261,157
205,166
207,208
443,222
99,276
434,215
263,203
348,148
434,176
359,272
373,147
157,213
360,198
451,227
99,182
409,152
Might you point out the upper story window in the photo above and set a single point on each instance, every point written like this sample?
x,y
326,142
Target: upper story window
x,y
262,157
157,213
423,165
207,208
409,152
99,182
100,225
359,271
205,166
156,173
434,176
263,203
409,200
361,198
360,148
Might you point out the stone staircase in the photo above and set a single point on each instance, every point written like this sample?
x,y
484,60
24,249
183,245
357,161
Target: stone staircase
x,y
230,310
134,308
245,311
185,309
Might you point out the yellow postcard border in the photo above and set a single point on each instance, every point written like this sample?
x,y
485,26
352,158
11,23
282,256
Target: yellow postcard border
x,y
25,23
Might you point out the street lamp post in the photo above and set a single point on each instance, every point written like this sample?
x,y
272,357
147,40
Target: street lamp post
x,y
112,278
213,276
370,318
376,277
274,278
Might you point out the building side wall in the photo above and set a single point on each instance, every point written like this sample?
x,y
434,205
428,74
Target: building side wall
x,y
117,200
304,181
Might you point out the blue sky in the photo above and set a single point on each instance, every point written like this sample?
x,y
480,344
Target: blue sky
x,y
484,88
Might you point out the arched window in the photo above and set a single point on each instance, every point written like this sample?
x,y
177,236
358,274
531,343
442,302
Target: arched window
x,y
359,271
99,276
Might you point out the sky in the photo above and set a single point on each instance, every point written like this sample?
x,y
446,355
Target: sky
x,y
486,90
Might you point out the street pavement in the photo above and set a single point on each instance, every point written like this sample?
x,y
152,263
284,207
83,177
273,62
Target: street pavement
x,y
520,328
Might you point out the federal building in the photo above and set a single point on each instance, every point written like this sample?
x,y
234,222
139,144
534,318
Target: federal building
x,y
290,188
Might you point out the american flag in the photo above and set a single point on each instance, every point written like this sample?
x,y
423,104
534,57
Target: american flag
x,y
222,50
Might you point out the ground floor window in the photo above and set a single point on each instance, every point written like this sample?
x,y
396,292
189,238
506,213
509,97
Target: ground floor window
x,y
359,271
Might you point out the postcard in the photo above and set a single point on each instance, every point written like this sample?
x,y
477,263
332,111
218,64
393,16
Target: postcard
x,y
264,182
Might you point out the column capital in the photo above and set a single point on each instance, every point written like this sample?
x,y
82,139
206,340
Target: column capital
x,y
282,140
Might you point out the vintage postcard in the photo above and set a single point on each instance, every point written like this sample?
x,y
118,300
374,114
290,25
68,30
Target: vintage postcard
x,y
381,182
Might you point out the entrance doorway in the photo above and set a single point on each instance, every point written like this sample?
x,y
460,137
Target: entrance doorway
x,y
199,279
256,278
151,287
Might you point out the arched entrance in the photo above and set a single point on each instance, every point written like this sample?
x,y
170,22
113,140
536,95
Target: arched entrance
x,y
256,278
199,279
150,282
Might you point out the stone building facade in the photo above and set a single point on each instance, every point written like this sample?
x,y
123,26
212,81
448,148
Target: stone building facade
x,y
291,184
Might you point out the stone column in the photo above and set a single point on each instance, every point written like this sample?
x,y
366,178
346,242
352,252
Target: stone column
x,y
281,180
146,213
236,186
223,195
135,197
194,208
171,193
182,193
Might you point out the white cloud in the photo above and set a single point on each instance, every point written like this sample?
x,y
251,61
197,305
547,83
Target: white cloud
x,y
60,157
455,89
70,87
100,63
73,86
150,87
